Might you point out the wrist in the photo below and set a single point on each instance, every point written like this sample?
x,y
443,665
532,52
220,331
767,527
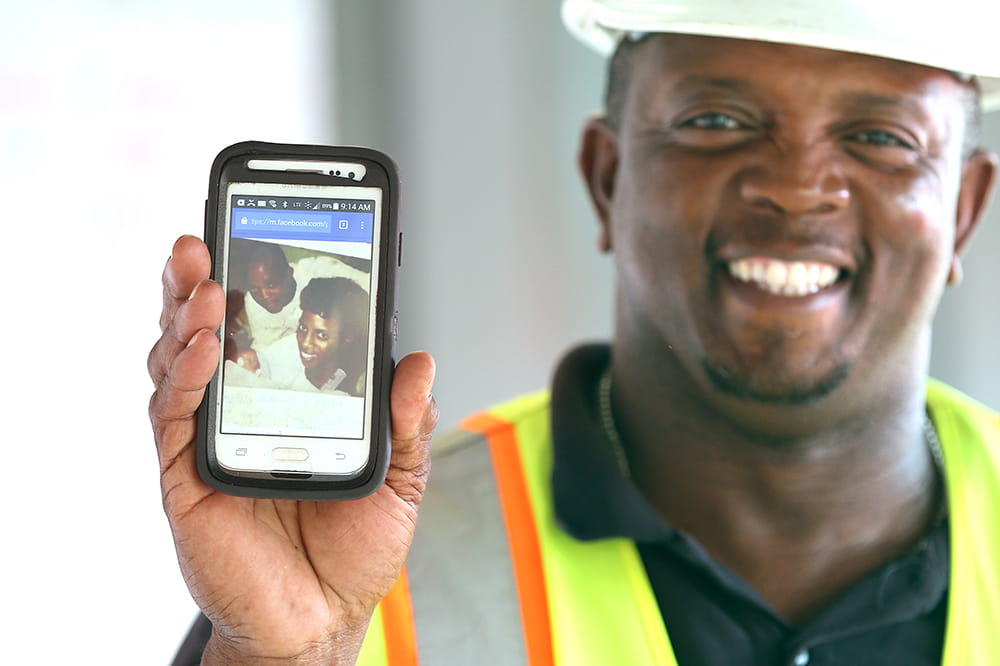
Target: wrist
x,y
344,649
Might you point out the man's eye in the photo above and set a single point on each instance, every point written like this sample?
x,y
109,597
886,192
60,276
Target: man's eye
x,y
881,138
712,121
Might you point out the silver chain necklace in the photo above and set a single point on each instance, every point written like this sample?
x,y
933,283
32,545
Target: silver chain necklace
x,y
611,430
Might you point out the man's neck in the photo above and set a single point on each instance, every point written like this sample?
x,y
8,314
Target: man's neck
x,y
800,517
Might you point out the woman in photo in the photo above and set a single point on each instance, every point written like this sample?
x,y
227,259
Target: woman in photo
x,y
332,334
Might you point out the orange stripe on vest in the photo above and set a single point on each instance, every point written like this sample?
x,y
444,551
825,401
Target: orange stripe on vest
x,y
397,624
522,535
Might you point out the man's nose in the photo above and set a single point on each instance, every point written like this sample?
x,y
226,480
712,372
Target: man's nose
x,y
803,180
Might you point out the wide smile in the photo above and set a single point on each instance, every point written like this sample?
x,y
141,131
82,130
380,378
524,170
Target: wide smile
x,y
790,279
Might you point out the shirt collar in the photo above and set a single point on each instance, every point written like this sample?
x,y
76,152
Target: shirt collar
x,y
593,500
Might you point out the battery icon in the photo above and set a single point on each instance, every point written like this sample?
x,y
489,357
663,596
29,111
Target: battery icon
x,y
336,205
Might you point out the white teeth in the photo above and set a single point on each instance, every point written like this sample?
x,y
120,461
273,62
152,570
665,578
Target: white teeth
x,y
777,274
784,278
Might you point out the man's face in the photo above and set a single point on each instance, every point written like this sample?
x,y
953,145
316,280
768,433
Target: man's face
x,y
272,288
784,218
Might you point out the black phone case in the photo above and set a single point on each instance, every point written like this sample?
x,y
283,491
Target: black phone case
x,y
381,171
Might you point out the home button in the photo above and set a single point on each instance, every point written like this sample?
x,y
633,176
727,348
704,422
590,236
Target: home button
x,y
288,453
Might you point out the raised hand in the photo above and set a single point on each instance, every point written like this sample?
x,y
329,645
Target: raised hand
x,y
279,579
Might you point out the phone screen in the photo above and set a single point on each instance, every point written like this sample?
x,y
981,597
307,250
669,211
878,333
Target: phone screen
x,y
300,276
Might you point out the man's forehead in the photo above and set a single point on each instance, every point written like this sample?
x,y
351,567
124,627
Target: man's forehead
x,y
740,66
691,50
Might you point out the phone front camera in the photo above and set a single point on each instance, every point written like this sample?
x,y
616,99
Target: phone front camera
x,y
350,174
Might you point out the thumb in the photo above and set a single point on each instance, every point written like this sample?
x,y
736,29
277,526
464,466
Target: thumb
x,y
414,411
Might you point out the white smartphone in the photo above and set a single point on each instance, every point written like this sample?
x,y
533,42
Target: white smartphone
x,y
305,242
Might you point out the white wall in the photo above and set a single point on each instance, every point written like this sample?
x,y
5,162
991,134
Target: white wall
x,y
110,115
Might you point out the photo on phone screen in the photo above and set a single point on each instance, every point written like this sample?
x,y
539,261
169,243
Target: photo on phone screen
x,y
298,344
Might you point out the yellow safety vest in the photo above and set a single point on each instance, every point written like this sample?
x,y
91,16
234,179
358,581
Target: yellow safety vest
x,y
582,603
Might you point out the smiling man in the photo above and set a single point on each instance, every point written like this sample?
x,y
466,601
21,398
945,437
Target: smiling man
x,y
784,220
757,469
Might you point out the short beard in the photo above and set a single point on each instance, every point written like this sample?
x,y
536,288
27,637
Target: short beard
x,y
745,389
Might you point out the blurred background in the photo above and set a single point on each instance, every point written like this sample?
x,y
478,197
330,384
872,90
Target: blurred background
x,y
110,115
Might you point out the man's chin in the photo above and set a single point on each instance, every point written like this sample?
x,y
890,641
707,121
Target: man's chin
x,y
773,390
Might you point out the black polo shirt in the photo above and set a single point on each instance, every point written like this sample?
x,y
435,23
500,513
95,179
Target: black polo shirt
x,y
895,615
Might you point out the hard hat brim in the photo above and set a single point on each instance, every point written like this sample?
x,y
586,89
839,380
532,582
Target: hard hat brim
x,y
601,24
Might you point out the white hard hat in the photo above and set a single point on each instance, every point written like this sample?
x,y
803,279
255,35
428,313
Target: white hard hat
x,y
959,36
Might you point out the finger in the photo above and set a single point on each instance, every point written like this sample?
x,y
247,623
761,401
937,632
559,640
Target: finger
x,y
190,372
202,310
173,405
414,412
189,264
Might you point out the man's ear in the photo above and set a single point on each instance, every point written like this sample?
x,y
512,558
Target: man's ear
x,y
978,176
598,162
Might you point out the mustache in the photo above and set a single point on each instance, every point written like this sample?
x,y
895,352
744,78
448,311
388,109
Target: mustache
x,y
773,230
